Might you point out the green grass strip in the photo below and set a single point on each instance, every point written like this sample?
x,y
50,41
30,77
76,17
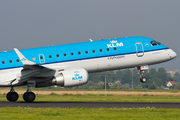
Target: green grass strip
x,y
88,114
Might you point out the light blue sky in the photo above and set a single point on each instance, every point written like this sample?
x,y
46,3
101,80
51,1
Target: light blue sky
x,y
36,23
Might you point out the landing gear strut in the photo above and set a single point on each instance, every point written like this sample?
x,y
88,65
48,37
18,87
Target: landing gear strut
x,y
142,68
12,96
142,79
29,96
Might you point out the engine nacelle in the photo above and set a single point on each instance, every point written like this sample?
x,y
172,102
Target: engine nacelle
x,y
71,77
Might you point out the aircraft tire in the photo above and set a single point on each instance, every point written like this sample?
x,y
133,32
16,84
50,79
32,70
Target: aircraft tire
x,y
29,96
12,96
143,79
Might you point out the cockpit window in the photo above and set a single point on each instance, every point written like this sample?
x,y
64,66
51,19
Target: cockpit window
x,y
154,43
158,43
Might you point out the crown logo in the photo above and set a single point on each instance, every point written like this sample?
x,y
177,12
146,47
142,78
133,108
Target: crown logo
x,y
76,75
113,41
23,59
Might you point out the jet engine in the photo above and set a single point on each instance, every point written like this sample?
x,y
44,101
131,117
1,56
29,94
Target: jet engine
x,y
71,77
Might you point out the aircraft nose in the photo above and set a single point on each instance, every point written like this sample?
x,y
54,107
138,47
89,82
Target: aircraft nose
x,y
172,54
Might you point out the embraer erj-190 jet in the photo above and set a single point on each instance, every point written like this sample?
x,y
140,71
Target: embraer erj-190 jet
x,y
69,65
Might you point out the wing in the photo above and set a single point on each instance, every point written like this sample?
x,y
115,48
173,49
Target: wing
x,y
32,71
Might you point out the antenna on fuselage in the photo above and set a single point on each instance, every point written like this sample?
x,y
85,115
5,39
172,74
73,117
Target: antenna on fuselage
x,y
90,40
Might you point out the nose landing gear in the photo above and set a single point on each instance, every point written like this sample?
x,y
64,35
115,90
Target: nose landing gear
x,y
142,68
142,79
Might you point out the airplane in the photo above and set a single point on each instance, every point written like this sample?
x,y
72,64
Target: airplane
x,y
68,65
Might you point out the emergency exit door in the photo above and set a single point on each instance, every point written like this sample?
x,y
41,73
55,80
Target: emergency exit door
x,y
41,58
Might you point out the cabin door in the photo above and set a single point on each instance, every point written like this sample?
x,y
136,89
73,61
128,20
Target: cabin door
x,y
139,49
41,58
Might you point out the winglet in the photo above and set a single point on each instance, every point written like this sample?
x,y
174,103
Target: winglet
x,y
23,59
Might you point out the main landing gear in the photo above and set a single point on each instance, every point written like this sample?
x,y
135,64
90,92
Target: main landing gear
x,y
28,96
12,96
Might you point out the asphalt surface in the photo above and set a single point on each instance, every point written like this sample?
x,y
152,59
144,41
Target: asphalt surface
x,y
89,105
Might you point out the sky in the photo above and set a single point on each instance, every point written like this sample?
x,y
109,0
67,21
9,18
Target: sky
x,y
38,23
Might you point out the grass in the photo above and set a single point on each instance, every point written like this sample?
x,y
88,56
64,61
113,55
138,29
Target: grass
x,y
88,113
99,98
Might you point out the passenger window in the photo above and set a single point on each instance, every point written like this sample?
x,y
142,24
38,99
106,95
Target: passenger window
x,y
17,60
107,49
79,53
65,54
3,62
41,57
50,56
100,50
57,55
153,43
10,61
115,48
93,51
72,53
32,58
86,52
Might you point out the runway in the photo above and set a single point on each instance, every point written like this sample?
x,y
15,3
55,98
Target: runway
x,y
89,105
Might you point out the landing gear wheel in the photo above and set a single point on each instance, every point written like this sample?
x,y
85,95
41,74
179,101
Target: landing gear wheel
x,y
12,96
143,79
29,96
